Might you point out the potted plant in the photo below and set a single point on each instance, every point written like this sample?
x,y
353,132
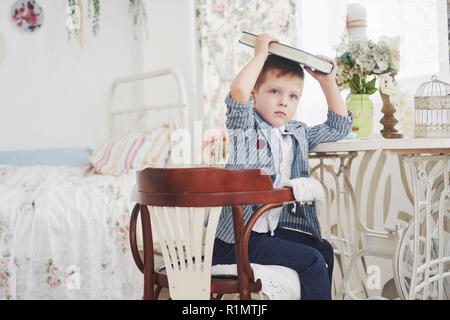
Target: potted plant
x,y
359,65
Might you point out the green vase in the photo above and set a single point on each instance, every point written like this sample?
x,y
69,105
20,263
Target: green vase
x,y
362,108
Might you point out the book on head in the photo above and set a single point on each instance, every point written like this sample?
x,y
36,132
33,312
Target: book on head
x,y
291,53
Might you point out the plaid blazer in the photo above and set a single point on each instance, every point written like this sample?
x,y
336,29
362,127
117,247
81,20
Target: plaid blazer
x,y
252,143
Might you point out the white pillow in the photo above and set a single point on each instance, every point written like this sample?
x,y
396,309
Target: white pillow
x,y
133,151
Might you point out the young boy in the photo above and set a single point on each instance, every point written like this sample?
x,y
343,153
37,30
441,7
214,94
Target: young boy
x,y
262,102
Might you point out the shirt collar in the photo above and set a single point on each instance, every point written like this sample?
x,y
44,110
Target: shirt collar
x,y
284,130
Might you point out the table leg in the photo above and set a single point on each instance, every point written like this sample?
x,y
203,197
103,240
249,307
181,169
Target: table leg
x,y
344,236
358,240
428,274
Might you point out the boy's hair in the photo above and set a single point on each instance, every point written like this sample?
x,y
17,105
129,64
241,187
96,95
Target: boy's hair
x,y
285,66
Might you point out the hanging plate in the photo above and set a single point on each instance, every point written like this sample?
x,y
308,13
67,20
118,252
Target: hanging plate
x,y
26,15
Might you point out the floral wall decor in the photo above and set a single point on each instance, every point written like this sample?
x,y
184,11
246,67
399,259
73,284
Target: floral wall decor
x,y
27,15
137,10
74,20
94,14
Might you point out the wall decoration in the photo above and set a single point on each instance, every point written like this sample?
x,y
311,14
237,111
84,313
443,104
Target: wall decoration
x,y
74,21
94,15
74,17
27,15
137,10
2,48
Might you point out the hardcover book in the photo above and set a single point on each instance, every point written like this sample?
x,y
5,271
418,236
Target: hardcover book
x,y
302,57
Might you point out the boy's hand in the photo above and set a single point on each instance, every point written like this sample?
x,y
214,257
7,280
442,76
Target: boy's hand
x,y
244,82
321,77
262,45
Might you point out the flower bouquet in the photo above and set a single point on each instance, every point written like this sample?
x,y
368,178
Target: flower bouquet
x,y
359,65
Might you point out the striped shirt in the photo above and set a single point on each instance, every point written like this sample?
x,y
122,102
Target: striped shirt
x,y
252,145
283,162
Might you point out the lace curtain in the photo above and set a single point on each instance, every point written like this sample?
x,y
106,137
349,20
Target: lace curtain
x,y
219,26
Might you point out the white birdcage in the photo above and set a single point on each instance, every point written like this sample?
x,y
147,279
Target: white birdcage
x,y
432,110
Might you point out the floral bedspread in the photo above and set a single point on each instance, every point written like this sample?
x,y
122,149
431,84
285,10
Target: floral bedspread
x,y
64,235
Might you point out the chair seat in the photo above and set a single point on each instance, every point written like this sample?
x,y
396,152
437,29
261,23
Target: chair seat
x,y
278,282
228,282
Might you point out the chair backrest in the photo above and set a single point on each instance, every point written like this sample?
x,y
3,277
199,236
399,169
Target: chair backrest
x,y
180,233
179,201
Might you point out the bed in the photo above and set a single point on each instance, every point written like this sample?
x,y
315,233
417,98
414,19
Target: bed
x,y
64,212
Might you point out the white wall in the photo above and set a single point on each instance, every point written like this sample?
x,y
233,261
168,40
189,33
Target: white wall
x,y
53,93
173,42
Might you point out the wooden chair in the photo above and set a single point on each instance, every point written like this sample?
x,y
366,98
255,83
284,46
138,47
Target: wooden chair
x,y
176,202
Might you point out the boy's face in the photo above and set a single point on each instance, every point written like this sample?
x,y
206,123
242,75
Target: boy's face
x,y
277,97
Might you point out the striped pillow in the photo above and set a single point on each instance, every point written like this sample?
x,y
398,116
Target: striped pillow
x,y
133,151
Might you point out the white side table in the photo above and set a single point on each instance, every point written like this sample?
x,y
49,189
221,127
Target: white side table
x,y
420,262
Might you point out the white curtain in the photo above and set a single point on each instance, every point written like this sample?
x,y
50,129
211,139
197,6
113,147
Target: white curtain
x,y
421,24
219,26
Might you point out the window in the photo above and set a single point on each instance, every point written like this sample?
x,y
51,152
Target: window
x,y
421,24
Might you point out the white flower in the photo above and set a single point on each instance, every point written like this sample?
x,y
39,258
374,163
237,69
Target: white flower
x,y
398,98
391,88
365,62
387,85
366,59
393,45
382,62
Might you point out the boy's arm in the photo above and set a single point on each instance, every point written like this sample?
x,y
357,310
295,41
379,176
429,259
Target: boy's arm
x,y
330,89
334,99
339,119
244,82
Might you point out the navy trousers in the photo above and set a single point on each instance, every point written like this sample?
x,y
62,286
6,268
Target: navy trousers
x,y
311,258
